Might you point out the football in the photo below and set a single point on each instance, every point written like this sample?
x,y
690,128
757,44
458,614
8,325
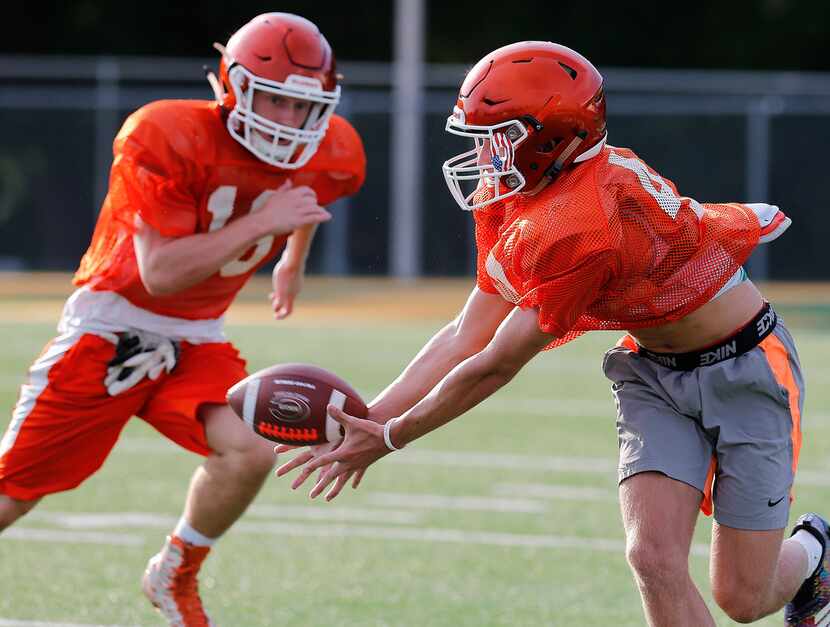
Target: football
x,y
287,403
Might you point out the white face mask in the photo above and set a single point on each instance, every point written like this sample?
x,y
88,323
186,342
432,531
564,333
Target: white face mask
x,y
274,143
466,176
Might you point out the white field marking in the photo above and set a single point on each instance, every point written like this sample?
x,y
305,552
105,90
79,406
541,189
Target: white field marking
x,y
104,520
143,520
454,536
57,535
426,457
557,492
464,503
328,512
418,534
474,459
811,477
10,622
501,461
553,407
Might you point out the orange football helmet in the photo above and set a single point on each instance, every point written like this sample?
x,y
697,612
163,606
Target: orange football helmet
x,y
532,108
285,55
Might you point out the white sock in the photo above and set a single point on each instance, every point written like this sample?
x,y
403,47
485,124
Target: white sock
x,y
190,535
813,548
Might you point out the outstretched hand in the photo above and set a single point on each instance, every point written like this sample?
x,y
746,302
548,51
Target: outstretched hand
x,y
361,446
287,281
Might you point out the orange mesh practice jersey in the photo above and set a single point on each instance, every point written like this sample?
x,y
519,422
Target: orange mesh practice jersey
x,y
610,244
177,167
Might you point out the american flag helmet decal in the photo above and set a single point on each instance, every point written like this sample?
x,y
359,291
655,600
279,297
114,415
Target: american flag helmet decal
x,y
501,149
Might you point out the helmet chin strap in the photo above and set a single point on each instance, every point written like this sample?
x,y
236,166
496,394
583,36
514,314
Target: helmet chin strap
x,y
556,167
215,84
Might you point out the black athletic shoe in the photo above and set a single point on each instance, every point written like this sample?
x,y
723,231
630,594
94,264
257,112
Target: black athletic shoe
x,y
811,605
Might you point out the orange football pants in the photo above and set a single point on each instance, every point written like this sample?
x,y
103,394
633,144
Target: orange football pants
x,y
65,424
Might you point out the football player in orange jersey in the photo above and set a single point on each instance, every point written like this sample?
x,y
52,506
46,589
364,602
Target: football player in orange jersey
x,y
573,235
201,195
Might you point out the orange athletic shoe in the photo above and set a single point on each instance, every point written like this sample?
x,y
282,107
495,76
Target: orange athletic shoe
x,y
170,583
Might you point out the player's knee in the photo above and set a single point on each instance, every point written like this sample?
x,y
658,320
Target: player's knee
x,y
740,608
260,458
742,603
655,562
12,509
254,459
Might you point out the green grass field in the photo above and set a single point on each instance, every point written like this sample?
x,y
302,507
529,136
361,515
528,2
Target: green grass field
x,y
508,516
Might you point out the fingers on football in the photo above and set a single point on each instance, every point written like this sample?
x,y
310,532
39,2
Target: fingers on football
x,y
339,415
360,424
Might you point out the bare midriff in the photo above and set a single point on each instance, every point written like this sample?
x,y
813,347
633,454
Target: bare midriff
x,y
714,321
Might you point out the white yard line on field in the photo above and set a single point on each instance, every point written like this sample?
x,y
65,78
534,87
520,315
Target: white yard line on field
x,y
556,492
328,530
472,459
144,520
330,512
463,503
104,520
56,535
812,478
554,407
426,457
501,461
453,536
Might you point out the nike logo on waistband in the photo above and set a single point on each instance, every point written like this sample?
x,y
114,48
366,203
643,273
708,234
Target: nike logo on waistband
x,y
771,503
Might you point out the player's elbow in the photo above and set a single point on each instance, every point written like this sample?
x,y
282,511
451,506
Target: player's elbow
x,y
463,343
156,282
499,368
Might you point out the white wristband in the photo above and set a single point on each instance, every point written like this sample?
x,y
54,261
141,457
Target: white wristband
x,y
386,431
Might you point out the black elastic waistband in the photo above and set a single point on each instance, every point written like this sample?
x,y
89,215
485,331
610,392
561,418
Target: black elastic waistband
x,y
743,341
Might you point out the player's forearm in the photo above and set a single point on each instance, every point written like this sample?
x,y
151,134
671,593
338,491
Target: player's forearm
x,y
466,386
168,266
438,357
298,246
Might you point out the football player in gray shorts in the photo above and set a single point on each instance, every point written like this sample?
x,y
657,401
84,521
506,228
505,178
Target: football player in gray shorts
x,y
573,235
723,421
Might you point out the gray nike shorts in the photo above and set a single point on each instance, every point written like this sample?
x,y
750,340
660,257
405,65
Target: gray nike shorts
x,y
736,421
